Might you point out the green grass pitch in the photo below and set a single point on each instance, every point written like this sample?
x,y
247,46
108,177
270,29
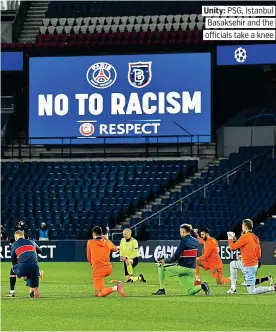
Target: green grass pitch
x,y
67,304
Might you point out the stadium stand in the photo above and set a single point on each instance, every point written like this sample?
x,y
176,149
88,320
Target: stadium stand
x,y
248,193
10,5
72,196
117,8
7,109
267,231
84,23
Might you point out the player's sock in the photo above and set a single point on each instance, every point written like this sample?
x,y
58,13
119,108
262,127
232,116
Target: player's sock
x,y
161,276
261,280
194,290
252,290
197,273
106,291
41,275
226,281
12,281
234,275
130,270
135,279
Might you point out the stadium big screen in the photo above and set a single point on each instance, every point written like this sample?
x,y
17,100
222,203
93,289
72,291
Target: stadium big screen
x,y
249,66
120,98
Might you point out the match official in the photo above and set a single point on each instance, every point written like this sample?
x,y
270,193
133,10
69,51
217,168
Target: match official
x,y
129,255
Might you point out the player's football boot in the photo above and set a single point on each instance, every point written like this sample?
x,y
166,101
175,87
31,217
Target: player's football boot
x,y
197,283
231,291
36,293
142,279
120,289
160,292
128,281
41,275
205,288
10,294
270,280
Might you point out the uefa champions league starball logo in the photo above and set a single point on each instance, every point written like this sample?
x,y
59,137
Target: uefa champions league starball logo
x,y
240,55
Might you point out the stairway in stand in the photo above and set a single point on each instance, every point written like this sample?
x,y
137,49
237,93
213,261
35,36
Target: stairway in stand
x,y
33,21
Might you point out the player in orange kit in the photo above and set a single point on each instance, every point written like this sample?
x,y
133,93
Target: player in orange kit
x,y
98,255
249,246
210,259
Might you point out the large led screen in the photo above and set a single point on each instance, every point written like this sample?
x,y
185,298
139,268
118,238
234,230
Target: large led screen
x,y
120,98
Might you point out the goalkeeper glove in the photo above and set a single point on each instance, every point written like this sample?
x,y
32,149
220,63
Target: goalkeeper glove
x,y
230,235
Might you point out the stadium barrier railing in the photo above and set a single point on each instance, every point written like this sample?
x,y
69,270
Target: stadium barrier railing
x,y
203,188
104,146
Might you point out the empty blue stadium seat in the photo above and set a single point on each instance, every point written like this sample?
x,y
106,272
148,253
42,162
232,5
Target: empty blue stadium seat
x,y
224,205
66,194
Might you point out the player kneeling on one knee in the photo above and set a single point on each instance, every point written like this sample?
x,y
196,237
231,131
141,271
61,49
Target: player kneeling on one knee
x,y
182,264
98,255
24,260
249,246
129,255
210,259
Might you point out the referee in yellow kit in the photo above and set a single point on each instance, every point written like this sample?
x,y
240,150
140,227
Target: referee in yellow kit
x,y
129,255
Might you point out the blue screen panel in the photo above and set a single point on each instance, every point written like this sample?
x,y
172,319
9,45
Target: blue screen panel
x,y
11,61
259,54
92,97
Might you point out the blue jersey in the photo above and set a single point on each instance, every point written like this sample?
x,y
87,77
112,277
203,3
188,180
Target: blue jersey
x,y
186,252
24,251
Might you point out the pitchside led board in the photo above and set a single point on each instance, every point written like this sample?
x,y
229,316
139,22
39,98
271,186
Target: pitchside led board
x,y
236,55
91,97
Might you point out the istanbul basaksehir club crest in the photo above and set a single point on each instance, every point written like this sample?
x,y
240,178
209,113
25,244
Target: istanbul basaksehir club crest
x,y
139,74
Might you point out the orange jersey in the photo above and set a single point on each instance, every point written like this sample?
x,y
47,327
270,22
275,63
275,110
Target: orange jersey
x,y
211,252
98,251
250,248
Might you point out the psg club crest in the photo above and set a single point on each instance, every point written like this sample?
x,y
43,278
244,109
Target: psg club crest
x,y
139,74
101,75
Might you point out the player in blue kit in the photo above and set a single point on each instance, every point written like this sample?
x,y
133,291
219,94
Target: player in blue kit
x,y
24,261
182,264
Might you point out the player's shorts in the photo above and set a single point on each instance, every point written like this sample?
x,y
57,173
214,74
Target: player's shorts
x,y
216,270
29,270
135,263
98,275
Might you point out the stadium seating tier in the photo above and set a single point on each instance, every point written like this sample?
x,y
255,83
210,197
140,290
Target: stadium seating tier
x,y
72,196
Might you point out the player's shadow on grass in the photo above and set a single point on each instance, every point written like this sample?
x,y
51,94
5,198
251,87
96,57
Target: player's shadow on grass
x,y
65,297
